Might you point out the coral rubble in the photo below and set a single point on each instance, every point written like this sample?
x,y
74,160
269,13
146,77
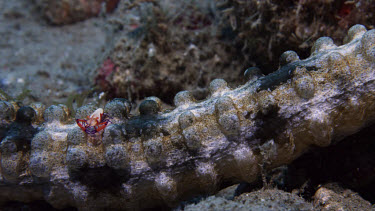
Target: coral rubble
x,y
162,157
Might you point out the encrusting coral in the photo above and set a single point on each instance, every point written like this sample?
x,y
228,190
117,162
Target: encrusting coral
x,y
162,157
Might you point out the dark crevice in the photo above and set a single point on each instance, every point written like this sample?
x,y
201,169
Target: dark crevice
x,y
269,124
350,163
100,178
32,206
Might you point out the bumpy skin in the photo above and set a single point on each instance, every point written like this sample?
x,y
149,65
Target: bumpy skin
x,y
159,158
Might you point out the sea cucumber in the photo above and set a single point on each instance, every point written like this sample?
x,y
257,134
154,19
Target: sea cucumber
x,y
162,157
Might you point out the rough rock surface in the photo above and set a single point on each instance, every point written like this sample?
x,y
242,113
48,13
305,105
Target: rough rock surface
x,y
271,199
162,157
333,197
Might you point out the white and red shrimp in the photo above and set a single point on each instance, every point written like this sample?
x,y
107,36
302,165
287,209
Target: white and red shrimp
x,y
94,123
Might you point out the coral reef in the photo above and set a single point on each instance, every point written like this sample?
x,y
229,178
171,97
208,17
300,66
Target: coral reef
x,y
161,157
165,46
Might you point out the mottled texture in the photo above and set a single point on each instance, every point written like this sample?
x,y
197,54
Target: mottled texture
x,y
7,112
257,200
162,157
333,197
58,113
70,11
